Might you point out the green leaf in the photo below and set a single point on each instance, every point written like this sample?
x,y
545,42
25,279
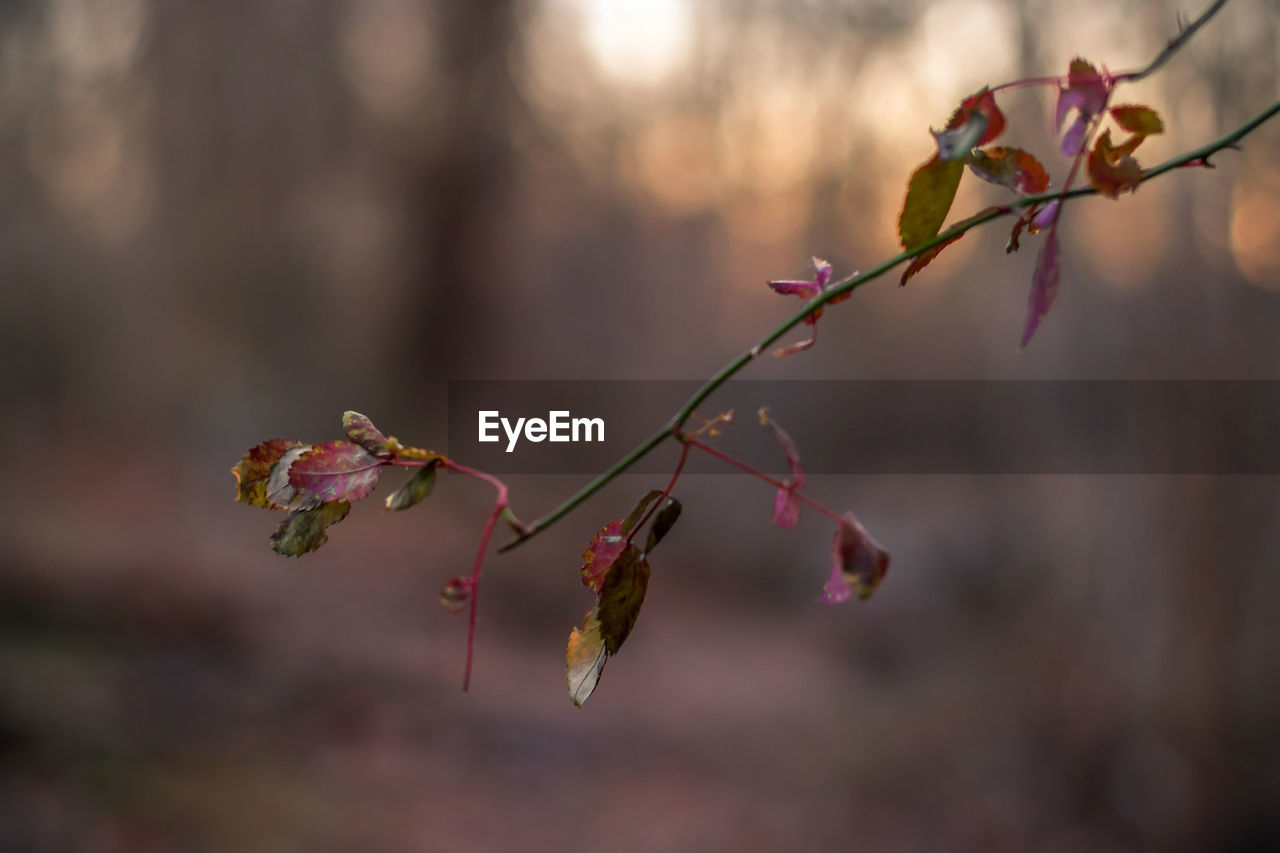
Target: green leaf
x,y
629,523
253,472
415,488
585,659
662,523
621,597
304,530
1137,118
362,431
930,193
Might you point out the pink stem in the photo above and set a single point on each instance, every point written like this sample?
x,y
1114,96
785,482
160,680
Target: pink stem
x,y
475,588
1029,81
724,457
684,454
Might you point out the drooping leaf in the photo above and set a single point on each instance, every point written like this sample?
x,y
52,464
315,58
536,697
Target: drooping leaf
x,y
1111,169
629,523
456,593
333,471
1086,92
1009,167
304,530
1044,285
858,564
929,196
253,472
662,523
1138,119
923,259
786,509
602,551
415,489
976,121
362,431
585,659
798,346
621,596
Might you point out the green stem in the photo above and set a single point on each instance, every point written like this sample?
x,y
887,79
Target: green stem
x,y
1199,156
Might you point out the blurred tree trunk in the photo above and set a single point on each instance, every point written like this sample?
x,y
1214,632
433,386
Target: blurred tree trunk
x,y
459,187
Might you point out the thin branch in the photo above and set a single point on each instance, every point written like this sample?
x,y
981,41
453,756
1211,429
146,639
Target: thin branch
x,y
1175,44
1199,156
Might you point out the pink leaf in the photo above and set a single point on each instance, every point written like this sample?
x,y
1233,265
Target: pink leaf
x,y
858,564
602,551
1086,92
333,471
1044,285
786,509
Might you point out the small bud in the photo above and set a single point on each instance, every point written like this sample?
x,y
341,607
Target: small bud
x,y
456,593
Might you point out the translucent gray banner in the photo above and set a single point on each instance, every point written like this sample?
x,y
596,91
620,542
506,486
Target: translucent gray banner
x,y
881,427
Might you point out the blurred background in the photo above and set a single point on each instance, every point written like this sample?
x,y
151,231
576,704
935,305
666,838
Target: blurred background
x,y
224,222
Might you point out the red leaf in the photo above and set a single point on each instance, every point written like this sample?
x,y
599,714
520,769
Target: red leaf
x,y
929,195
922,260
362,431
1111,169
333,471
1044,285
253,472
858,564
1009,167
601,553
976,121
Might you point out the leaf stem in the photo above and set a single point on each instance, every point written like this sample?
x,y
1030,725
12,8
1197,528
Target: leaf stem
x,y
684,455
498,507
739,464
